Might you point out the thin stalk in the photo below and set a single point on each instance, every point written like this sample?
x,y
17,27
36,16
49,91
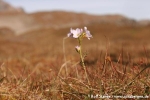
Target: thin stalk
x,y
82,61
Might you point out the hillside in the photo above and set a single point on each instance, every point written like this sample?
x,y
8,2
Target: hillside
x,y
21,23
7,8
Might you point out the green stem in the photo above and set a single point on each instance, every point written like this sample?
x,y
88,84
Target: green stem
x,y
82,60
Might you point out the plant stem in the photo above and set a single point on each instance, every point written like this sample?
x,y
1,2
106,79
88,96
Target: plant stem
x,y
82,61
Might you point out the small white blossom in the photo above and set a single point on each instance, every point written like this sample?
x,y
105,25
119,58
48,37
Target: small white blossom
x,y
87,33
75,33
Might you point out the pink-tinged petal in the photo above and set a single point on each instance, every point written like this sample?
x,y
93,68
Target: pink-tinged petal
x,y
77,47
81,30
76,33
87,32
69,34
78,30
88,35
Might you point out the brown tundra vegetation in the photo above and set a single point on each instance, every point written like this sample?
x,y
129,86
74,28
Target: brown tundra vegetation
x,y
37,62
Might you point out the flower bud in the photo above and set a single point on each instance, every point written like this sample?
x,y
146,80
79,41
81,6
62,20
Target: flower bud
x,y
77,48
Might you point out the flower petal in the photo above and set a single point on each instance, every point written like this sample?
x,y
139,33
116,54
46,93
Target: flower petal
x,y
87,32
76,33
69,34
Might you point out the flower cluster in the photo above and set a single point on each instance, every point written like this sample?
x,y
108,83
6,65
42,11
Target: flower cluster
x,y
77,33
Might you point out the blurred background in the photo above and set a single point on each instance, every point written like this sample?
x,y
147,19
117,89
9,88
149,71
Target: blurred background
x,y
35,29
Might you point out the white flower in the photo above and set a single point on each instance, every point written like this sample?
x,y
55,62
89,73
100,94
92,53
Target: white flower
x,y
75,33
87,33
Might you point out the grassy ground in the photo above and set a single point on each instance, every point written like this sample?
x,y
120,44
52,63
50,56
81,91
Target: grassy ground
x,y
37,66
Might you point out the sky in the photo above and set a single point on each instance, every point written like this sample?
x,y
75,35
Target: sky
x,y
135,9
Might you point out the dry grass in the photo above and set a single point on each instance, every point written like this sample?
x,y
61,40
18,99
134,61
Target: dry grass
x,y
32,65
